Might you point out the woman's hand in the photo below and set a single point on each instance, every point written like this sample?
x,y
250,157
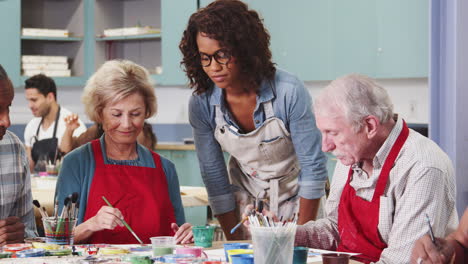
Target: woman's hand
x,y
106,218
183,234
250,208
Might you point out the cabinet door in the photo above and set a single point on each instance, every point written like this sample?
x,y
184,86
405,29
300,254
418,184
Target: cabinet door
x,y
325,39
403,39
188,170
299,33
10,12
174,19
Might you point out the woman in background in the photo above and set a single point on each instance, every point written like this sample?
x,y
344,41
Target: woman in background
x,y
259,114
142,186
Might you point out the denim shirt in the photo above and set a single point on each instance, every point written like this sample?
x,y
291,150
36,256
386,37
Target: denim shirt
x,y
292,104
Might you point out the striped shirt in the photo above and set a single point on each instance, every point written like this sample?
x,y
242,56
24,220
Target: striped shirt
x,y
421,181
15,183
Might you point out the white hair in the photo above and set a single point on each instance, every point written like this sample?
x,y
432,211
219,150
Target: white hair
x,y
355,97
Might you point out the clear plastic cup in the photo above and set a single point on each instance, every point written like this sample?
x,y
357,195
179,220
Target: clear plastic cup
x,y
162,245
273,245
58,230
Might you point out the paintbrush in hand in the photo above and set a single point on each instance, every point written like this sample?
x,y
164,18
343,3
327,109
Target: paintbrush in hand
x,y
123,221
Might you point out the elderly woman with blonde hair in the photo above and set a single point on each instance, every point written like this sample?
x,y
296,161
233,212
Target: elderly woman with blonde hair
x,y
141,185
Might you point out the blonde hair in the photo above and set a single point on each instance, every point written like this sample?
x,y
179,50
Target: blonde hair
x,y
355,96
114,81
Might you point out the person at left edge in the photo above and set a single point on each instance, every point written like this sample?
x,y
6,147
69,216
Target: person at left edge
x,y
16,209
43,134
141,185
259,114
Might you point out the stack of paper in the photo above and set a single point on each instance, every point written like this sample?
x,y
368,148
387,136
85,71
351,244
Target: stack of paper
x,y
45,32
54,66
129,31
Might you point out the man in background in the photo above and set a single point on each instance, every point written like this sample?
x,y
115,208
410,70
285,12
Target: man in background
x,y
16,211
44,132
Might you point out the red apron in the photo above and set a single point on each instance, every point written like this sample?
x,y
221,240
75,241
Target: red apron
x,y
358,219
140,193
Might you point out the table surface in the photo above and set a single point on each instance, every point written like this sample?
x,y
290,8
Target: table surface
x,y
219,244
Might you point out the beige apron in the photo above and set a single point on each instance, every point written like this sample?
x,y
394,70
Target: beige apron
x,y
263,163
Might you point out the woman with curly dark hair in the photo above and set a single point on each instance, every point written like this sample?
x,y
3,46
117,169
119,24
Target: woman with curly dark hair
x,y
260,115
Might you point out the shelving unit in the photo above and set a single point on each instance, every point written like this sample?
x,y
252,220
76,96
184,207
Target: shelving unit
x,y
383,39
54,14
142,49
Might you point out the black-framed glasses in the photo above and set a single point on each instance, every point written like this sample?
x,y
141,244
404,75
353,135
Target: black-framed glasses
x,y
221,56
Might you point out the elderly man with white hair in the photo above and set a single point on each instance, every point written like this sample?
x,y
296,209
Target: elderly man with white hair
x,y
387,179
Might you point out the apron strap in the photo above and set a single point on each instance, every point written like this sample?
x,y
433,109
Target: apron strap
x,y
274,196
55,125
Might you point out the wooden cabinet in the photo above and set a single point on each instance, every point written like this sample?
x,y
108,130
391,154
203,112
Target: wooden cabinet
x,y
87,49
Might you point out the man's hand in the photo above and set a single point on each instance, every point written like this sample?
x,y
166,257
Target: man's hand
x,y
424,251
11,231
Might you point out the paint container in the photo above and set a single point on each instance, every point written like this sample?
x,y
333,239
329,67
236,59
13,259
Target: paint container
x,y
5,255
242,259
13,248
162,245
239,251
137,259
335,258
173,258
113,251
45,246
59,252
29,253
196,251
229,246
300,255
203,235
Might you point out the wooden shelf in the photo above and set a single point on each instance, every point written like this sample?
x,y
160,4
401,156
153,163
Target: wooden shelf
x,y
51,38
133,37
63,81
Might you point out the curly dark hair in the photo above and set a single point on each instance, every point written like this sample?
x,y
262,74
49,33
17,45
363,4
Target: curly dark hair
x,y
237,29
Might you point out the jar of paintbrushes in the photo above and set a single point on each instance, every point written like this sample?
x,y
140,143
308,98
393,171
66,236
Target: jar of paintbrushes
x,y
59,228
273,242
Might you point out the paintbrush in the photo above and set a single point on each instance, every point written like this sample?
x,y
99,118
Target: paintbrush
x,y
38,205
62,215
56,209
239,224
259,208
123,221
431,233
74,199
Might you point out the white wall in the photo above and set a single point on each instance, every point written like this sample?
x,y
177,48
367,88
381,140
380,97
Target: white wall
x,y
410,98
